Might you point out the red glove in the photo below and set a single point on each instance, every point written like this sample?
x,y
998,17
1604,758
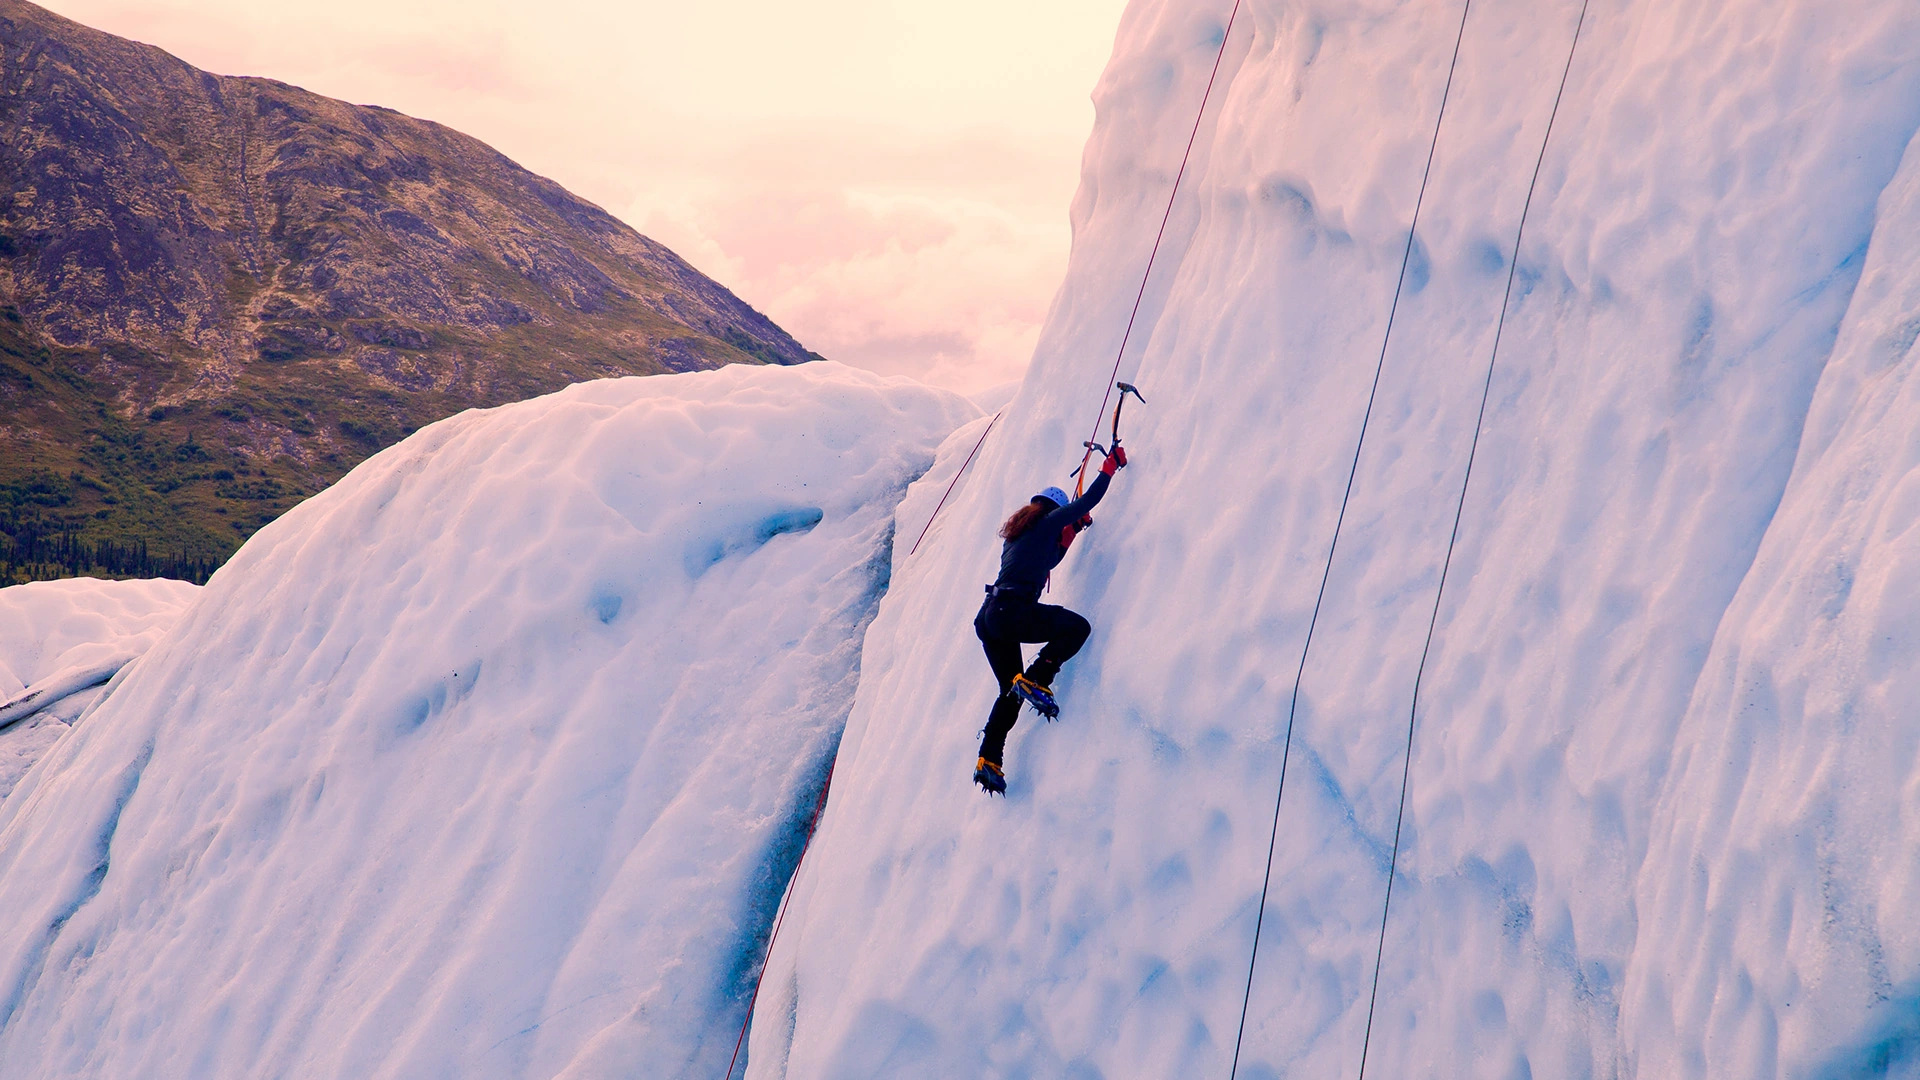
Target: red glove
x,y
1115,461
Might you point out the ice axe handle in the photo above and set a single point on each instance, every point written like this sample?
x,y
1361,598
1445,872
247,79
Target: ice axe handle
x,y
1091,447
1125,389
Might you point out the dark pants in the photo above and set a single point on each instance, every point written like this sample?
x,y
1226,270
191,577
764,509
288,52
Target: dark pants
x,y
1003,623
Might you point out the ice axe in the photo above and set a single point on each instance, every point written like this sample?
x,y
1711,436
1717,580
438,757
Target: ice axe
x,y
1113,443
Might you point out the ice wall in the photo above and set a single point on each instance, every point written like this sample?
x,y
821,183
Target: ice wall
x,y
489,761
1784,841
1641,834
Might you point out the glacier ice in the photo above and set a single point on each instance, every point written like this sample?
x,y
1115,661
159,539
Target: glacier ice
x,y
490,760
1654,811
493,759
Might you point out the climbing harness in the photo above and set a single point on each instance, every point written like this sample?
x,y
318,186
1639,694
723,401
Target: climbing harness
x,y
1486,389
792,883
1313,621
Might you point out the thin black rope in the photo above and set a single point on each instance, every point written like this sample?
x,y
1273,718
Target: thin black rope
x,y
1473,449
1366,420
955,480
1225,36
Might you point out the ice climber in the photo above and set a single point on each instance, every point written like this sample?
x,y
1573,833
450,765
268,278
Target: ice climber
x,y
1037,537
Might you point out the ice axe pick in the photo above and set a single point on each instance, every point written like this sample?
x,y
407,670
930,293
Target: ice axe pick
x,y
1113,443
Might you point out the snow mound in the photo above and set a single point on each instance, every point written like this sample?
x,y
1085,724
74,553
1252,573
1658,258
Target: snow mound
x,y
49,626
491,760
59,640
1662,797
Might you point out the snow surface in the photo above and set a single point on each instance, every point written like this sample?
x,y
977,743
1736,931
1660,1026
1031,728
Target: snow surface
x,y
1664,795
490,760
493,759
51,631
1785,843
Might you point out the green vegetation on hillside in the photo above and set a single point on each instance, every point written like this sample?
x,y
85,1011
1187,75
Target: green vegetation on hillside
x,y
103,488
219,294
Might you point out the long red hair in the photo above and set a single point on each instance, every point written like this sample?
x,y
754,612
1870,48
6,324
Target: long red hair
x,y
1022,519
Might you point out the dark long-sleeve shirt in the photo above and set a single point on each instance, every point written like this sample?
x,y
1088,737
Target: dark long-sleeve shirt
x,y
1027,559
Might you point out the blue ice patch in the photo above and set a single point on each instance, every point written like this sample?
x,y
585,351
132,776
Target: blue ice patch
x,y
702,555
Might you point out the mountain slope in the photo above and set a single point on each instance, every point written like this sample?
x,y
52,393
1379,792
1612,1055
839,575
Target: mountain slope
x,y
1658,815
217,294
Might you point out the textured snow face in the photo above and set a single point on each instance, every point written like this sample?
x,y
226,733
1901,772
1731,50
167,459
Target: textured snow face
x,y
1649,823
54,634
1784,842
488,761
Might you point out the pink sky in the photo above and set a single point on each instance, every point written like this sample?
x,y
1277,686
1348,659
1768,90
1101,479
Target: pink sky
x,y
887,179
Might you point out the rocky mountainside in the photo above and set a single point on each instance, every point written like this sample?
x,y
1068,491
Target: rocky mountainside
x,y
218,294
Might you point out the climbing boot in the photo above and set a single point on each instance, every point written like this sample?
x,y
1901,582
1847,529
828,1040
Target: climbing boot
x,y
988,775
1036,695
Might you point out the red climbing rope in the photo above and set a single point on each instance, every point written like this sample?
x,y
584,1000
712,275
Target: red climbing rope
x,y
1101,413
955,480
819,805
